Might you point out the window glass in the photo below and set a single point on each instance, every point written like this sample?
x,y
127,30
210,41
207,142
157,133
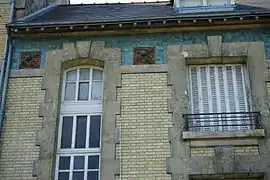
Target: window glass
x,y
84,74
78,176
93,162
78,162
66,136
92,175
70,91
94,140
63,175
87,87
72,75
64,163
81,132
96,91
97,74
83,90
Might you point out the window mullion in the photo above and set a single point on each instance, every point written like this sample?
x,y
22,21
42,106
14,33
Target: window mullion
x,y
77,85
71,167
73,132
90,84
205,3
86,167
87,132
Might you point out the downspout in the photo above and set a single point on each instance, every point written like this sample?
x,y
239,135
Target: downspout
x,y
6,67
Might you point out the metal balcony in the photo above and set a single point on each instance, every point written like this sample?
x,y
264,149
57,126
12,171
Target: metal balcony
x,y
234,121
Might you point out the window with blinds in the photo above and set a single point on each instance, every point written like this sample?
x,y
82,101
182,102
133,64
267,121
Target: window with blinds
x,y
218,89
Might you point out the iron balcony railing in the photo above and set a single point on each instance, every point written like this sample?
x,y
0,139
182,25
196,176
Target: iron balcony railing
x,y
235,121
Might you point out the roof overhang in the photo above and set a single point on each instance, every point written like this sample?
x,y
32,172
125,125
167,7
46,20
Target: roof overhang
x,y
194,22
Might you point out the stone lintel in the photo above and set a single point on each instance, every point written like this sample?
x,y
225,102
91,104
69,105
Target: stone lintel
x,y
144,69
22,73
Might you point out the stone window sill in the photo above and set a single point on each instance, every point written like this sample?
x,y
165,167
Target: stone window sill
x,y
256,133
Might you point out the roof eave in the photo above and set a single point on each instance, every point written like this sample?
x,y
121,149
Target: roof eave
x,y
168,18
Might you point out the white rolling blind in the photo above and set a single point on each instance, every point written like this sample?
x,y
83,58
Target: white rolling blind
x,y
217,89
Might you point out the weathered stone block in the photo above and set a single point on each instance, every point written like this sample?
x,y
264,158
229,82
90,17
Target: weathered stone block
x,y
214,45
83,48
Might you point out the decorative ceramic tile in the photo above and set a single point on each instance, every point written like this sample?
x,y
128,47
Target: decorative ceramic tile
x,y
144,55
30,60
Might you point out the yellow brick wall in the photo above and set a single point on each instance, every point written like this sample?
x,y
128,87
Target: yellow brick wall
x,y
202,151
18,149
246,150
4,15
144,125
210,151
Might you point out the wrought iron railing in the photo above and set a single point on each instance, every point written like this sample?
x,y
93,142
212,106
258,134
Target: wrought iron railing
x,y
236,121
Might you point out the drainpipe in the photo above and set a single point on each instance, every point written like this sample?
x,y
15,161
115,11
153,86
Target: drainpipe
x,y
6,67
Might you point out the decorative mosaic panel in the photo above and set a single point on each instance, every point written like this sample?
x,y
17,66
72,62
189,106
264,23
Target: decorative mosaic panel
x,y
30,59
143,55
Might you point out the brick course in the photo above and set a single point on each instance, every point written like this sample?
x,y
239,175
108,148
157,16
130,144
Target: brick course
x,y
202,151
210,151
246,150
18,149
144,125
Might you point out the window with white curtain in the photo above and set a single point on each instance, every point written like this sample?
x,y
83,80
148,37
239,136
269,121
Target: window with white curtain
x,y
79,133
218,89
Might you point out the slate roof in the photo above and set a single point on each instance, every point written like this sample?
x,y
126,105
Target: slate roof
x,y
127,12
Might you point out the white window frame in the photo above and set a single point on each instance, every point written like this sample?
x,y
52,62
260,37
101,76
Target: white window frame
x,y
78,108
81,106
245,77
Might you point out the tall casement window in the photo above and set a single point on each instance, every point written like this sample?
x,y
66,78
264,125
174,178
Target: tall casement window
x,y
218,97
78,146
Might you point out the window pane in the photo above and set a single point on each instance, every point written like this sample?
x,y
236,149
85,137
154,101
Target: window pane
x,y
78,162
63,176
83,91
70,91
94,139
72,75
84,74
97,91
78,176
92,175
64,163
97,74
93,162
66,136
80,132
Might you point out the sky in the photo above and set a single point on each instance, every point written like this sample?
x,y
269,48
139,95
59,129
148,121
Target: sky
x,y
103,1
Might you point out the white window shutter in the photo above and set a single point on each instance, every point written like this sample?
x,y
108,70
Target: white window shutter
x,y
219,89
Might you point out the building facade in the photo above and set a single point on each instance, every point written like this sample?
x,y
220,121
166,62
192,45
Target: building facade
x,y
168,91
